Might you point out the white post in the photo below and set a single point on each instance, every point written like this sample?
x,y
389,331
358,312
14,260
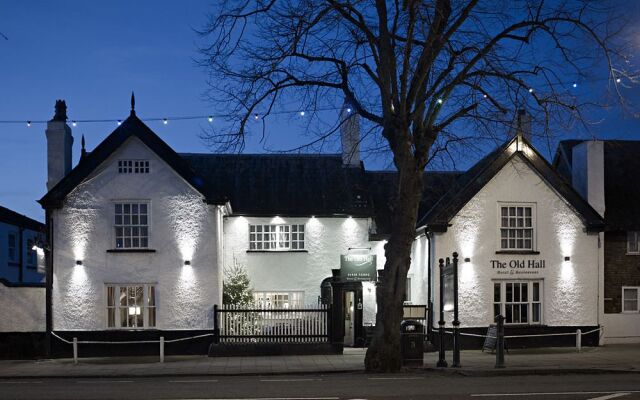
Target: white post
x,y
75,350
578,340
161,349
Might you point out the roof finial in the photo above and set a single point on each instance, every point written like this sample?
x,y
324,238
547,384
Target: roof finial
x,y
133,103
83,151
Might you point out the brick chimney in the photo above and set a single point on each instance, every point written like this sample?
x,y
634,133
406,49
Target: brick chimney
x,y
350,136
59,145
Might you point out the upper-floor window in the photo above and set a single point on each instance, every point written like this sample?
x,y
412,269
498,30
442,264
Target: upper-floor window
x,y
131,225
630,299
12,246
276,237
633,242
133,166
517,227
131,306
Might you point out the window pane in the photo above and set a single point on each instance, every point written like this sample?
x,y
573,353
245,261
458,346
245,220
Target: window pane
x,y
630,305
632,242
152,317
509,292
525,293
536,291
496,310
111,317
496,292
536,313
524,308
152,296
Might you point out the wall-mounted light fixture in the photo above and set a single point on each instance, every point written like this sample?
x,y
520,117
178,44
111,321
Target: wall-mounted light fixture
x,y
567,258
78,262
467,259
187,262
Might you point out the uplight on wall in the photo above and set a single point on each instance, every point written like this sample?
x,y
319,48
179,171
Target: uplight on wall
x,y
78,262
187,262
467,260
567,258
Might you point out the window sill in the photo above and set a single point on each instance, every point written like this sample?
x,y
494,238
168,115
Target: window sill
x,y
131,251
277,251
530,252
632,254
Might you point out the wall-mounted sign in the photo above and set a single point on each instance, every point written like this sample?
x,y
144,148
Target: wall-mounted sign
x,y
517,267
357,267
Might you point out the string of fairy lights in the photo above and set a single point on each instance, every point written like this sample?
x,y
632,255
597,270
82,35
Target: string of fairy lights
x,y
210,118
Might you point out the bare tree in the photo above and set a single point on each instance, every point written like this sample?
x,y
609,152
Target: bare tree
x,y
423,73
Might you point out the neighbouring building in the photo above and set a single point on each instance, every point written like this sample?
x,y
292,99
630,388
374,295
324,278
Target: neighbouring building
x,y
20,259
139,237
602,172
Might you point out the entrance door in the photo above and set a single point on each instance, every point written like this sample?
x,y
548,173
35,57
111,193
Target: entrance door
x,y
349,318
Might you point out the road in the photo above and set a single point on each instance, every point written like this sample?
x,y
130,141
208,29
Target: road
x,y
332,387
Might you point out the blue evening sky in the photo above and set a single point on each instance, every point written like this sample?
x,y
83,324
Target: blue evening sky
x,y
94,53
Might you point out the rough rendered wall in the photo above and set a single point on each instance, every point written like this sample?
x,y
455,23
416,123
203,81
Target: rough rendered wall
x,y
570,289
325,240
23,309
182,227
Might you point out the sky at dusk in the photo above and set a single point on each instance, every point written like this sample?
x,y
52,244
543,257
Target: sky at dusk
x,y
93,54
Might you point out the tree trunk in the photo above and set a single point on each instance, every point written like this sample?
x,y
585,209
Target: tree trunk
x,y
383,355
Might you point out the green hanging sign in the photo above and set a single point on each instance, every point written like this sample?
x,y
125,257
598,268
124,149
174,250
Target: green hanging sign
x,y
358,267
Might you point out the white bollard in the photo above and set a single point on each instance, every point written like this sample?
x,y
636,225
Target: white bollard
x,y
161,349
75,350
578,340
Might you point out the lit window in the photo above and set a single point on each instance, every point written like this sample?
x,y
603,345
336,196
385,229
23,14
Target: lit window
x,y
131,306
407,293
630,299
132,225
517,224
633,245
133,166
276,237
279,300
12,247
520,302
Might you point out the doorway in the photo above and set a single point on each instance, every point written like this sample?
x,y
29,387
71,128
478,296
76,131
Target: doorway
x,y
349,318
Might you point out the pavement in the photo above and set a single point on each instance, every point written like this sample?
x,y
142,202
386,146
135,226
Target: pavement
x,y
605,359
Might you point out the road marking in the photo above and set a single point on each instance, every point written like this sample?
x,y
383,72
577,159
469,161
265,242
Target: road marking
x,y
611,396
272,398
195,381
290,380
610,392
19,382
105,381
397,378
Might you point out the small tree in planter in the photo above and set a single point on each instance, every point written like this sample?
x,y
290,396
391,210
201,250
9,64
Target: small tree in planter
x,y
236,289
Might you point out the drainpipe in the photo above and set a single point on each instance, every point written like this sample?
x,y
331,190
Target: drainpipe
x,y
429,302
49,281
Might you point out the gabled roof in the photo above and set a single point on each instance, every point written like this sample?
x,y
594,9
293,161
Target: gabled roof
x,y
285,184
471,182
131,127
621,185
13,218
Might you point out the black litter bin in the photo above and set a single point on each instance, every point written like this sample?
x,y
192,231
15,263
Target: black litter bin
x,y
412,343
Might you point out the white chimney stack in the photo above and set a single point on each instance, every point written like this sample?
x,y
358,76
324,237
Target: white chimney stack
x,y
59,145
587,172
350,136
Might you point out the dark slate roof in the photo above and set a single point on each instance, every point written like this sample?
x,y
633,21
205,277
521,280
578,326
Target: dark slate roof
x,y
621,183
284,184
469,184
13,218
383,185
131,127
563,158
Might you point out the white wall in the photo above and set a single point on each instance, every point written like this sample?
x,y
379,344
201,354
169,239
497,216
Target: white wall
x,y
325,240
23,309
182,227
570,288
621,328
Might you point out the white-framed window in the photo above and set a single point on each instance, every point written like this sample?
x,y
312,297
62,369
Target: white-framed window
x,y
276,237
131,225
630,299
279,300
407,293
633,242
133,166
131,306
520,302
517,226
12,247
